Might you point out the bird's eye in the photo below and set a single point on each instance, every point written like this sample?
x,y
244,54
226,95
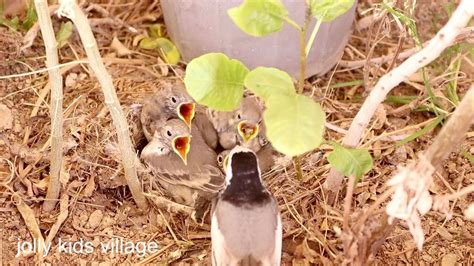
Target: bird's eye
x,y
219,159
168,133
239,116
173,99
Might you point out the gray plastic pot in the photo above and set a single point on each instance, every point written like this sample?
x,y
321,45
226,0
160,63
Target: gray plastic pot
x,y
198,27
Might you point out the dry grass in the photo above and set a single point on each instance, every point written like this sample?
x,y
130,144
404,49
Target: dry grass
x,y
311,227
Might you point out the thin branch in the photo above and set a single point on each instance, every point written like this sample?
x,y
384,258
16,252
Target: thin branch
x,y
461,193
72,63
70,9
454,132
56,111
443,39
465,34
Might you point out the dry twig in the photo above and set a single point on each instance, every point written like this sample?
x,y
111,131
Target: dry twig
x,y
412,198
443,39
71,10
56,112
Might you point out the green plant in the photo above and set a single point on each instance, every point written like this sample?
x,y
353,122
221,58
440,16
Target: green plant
x,y
294,122
15,23
165,47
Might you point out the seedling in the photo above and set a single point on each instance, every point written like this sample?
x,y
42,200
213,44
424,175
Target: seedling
x,y
294,122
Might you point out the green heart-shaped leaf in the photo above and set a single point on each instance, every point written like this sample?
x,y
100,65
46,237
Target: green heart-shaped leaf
x,y
259,17
267,81
328,10
350,161
295,124
216,81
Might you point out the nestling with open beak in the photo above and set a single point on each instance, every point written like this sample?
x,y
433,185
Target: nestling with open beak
x,y
182,161
167,103
245,220
240,127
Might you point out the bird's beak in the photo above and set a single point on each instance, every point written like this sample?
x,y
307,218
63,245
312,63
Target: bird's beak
x,y
181,146
247,130
186,112
226,161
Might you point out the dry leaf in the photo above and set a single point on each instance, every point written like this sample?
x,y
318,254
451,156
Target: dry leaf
x,y
95,219
89,189
30,220
469,212
119,48
7,120
444,233
42,184
449,260
63,206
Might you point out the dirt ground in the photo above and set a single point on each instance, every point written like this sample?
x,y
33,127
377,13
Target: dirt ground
x,y
100,208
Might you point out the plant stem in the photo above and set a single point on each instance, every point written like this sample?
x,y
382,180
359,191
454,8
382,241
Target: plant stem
x,y
303,29
303,48
71,10
56,111
313,35
299,173
292,23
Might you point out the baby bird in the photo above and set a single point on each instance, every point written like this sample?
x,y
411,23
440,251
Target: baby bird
x,y
222,122
245,220
167,103
185,170
239,127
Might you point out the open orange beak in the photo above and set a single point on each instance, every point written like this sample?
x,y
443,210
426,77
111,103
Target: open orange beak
x,y
186,112
181,146
247,130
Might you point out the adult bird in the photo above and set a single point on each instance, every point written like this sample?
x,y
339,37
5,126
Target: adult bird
x,y
245,221
186,169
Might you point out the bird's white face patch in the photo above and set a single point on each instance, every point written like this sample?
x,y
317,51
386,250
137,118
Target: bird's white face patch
x,y
228,169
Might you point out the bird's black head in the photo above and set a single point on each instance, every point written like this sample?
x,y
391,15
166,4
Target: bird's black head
x,y
244,165
243,178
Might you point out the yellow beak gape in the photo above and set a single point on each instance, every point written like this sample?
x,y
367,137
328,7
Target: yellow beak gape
x,y
181,146
247,130
186,112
